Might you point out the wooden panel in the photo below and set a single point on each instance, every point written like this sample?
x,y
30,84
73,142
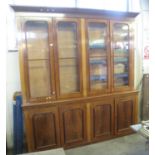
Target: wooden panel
x,y
73,124
125,114
102,116
125,108
145,105
73,120
42,126
44,130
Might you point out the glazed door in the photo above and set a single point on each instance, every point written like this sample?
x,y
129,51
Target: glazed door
x,y
125,108
68,56
42,126
102,114
122,56
38,60
73,124
98,56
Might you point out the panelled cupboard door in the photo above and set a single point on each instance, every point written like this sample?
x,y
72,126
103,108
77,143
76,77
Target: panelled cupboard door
x,y
73,124
68,57
122,66
98,56
42,126
102,116
125,109
38,59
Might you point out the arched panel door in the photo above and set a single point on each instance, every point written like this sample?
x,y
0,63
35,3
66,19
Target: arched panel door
x,y
98,56
122,56
38,60
68,57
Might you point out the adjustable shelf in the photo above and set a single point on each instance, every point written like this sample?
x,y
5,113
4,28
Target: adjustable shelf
x,y
98,78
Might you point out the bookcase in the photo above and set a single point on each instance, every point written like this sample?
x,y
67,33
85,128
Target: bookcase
x,y
77,75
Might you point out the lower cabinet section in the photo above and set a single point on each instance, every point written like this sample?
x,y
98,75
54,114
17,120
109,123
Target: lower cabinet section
x,y
42,128
77,123
125,114
102,116
73,124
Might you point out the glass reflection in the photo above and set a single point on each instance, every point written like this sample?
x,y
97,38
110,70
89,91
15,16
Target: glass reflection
x,y
97,37
121,54
68,57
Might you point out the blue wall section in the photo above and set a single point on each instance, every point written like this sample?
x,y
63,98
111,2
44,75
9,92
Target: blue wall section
x,y
18,125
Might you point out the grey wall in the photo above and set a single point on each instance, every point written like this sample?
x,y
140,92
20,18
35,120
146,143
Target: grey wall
x,y
12,74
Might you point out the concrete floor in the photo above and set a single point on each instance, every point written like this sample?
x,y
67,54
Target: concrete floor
x,y
128,145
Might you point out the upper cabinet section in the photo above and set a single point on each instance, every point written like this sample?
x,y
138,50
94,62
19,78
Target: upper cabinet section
x,y
68,57
98,55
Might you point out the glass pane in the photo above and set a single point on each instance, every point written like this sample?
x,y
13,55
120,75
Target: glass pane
x,y
121,39
97,51
121,74
37,40
67,39
98,73
69,79
39,78
121,54
97,33
68,57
